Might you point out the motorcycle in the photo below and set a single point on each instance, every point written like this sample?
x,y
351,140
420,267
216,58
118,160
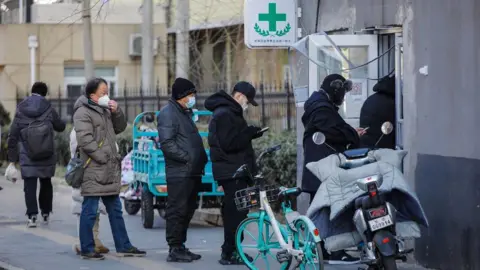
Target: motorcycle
x,y
374,217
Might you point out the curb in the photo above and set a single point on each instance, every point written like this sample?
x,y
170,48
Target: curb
x,y
208,217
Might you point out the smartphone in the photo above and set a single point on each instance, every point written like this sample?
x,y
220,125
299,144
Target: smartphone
x,y
264,129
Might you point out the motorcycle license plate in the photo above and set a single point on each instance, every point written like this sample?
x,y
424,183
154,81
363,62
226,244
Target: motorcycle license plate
x,y
380,223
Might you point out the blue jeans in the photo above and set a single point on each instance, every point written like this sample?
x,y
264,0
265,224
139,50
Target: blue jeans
x,y
117,224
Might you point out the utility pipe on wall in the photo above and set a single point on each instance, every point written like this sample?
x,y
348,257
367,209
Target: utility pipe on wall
x,y
33,45
20,11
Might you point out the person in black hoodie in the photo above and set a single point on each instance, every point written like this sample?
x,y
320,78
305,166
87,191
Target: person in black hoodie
x,y
31,108
321,114
376,110
185,160
230,140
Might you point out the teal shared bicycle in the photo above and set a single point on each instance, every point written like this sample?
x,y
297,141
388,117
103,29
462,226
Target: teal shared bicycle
x,y
270,244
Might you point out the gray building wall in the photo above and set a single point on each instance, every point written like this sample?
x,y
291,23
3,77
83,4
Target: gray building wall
x,y
441,112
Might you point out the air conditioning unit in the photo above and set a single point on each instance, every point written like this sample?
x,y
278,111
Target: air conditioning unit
x,y
135,45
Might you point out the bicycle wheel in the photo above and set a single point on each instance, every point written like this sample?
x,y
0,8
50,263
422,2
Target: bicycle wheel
x,y
304,240
264,259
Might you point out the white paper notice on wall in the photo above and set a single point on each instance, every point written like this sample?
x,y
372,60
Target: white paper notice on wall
x,y
355,98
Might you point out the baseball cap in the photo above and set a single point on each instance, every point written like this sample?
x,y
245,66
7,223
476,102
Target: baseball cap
x,y
248,90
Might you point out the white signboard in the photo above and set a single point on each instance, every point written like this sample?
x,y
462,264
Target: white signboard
x,y
270,23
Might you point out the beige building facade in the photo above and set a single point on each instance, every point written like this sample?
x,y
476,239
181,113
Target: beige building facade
x,y
59,58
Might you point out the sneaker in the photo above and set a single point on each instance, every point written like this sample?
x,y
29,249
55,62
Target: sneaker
x,y
233,259
132,252
194,256
46,218
93,256
179,254
32,222
341,257
101,249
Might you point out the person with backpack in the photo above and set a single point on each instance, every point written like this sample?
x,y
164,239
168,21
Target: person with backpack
x,y
31,143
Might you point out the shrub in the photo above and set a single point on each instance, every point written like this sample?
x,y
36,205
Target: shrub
x,y
124,141
281,167
62,143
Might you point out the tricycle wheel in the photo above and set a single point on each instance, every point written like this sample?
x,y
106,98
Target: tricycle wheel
x,y
131,207
147,208
161,213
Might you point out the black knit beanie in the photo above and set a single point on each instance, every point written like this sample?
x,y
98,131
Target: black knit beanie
x,y
328,80
182,88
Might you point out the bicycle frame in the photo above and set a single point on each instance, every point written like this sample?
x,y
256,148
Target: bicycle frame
x,y
286,245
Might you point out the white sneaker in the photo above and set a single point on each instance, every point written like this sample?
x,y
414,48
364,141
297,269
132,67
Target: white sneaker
x,y
32,222
46,218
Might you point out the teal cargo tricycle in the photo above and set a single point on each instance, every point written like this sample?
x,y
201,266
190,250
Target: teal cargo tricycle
x,y
149,178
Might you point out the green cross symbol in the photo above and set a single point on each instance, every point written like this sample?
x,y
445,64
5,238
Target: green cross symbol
x,y
272,17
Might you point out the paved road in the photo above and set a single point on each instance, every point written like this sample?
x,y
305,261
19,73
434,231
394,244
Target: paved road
x,y
49,247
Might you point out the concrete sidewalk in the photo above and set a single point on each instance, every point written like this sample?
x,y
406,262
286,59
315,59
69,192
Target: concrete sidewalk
x,y
50,246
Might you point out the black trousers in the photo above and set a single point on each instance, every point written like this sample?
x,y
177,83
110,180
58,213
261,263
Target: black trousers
x,y
181,205
231,216
45,196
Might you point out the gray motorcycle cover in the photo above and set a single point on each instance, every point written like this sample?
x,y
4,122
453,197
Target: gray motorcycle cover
x,y
332,209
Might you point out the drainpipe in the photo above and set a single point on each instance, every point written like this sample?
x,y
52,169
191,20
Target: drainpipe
x,y
20,11
32,45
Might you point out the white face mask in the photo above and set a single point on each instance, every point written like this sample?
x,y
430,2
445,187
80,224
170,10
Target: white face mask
x,y
245,106
103,101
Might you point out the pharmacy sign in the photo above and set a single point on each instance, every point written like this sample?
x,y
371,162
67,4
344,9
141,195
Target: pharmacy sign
x,y
270,23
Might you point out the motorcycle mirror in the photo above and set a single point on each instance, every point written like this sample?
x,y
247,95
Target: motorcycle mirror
x,y
387,128
318,138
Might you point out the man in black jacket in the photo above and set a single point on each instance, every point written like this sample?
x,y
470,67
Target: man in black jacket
x,y
376,110
185,160
35,108
230,140
321,114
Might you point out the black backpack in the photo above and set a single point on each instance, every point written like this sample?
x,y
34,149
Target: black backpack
x,y
38,137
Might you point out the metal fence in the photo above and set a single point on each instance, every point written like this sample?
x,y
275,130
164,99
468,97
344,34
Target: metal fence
x,y
276,103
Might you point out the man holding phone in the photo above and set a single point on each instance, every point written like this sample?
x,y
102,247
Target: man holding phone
x,y
230,140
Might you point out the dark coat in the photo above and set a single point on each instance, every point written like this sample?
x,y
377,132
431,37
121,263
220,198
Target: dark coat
x,y
377,109
30,108
229,137
321,115
180,142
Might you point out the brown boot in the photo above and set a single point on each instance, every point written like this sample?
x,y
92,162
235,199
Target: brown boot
x,y
102,249
76,249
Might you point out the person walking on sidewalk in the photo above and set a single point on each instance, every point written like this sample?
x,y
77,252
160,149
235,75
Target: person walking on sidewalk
x,y
77,201
97,120
32,130
230,140
185,159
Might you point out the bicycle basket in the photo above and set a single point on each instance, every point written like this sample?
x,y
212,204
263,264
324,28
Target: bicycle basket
x,y
250,197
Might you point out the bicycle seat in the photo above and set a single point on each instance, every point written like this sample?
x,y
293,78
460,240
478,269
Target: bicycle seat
x,y
294,192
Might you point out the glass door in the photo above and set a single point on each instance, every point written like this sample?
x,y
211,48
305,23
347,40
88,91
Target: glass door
x,y
358,49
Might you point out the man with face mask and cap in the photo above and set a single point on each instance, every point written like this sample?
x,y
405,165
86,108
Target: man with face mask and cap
x,y
321,114
230,140
185,160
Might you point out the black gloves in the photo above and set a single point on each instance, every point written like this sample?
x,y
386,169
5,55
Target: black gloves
x,y
254,132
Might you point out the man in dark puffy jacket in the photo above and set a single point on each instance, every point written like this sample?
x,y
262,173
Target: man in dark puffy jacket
x,y
185,160
378,109
230,140
321,114
31,108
